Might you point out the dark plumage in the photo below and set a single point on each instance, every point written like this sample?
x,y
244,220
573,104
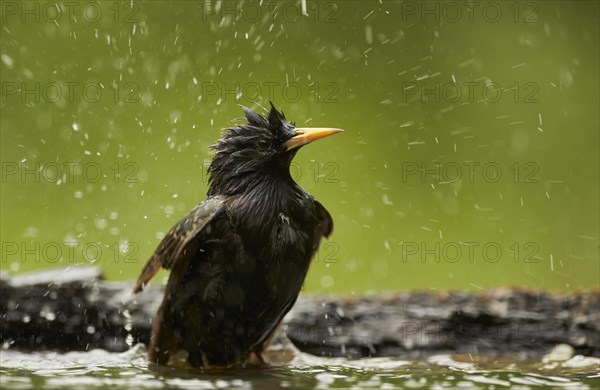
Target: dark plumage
x,y
238,260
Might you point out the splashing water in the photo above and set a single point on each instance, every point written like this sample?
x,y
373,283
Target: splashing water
x,y
101,369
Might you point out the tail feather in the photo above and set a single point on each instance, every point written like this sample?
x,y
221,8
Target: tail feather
x,y
150,269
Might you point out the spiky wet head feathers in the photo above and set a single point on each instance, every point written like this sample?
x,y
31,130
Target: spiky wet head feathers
x,y
251,150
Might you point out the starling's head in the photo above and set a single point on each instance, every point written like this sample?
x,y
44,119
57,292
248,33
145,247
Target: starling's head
x,y
263,147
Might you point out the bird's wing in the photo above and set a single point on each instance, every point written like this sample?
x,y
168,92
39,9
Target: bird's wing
x,y
326,222
177,239
324,229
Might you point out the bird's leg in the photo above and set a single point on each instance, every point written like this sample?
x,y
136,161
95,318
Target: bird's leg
x,y
198,359
257,359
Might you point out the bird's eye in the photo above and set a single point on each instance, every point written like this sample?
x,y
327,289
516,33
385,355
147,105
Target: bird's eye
x,y
263,145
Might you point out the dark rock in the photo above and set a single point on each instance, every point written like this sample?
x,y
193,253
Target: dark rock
x,y
75,309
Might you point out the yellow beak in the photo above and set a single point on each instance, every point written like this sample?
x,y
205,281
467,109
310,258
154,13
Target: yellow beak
x,y
306,135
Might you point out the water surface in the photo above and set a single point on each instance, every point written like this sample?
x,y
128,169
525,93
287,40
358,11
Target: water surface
x,y
99,369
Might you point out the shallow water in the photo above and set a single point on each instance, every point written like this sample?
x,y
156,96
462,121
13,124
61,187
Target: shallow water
x,y
100,369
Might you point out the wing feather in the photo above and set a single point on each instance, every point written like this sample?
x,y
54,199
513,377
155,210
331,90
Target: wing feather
x,y
326,222
173,245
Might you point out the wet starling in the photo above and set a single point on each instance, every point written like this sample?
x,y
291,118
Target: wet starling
x,y
238,260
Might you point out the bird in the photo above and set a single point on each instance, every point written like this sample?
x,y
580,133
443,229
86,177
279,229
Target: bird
x,y
238,260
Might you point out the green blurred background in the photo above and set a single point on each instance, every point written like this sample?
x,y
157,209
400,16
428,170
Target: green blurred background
x,y
470,157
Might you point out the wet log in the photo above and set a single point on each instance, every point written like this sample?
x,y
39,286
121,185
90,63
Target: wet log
x,y
75,309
